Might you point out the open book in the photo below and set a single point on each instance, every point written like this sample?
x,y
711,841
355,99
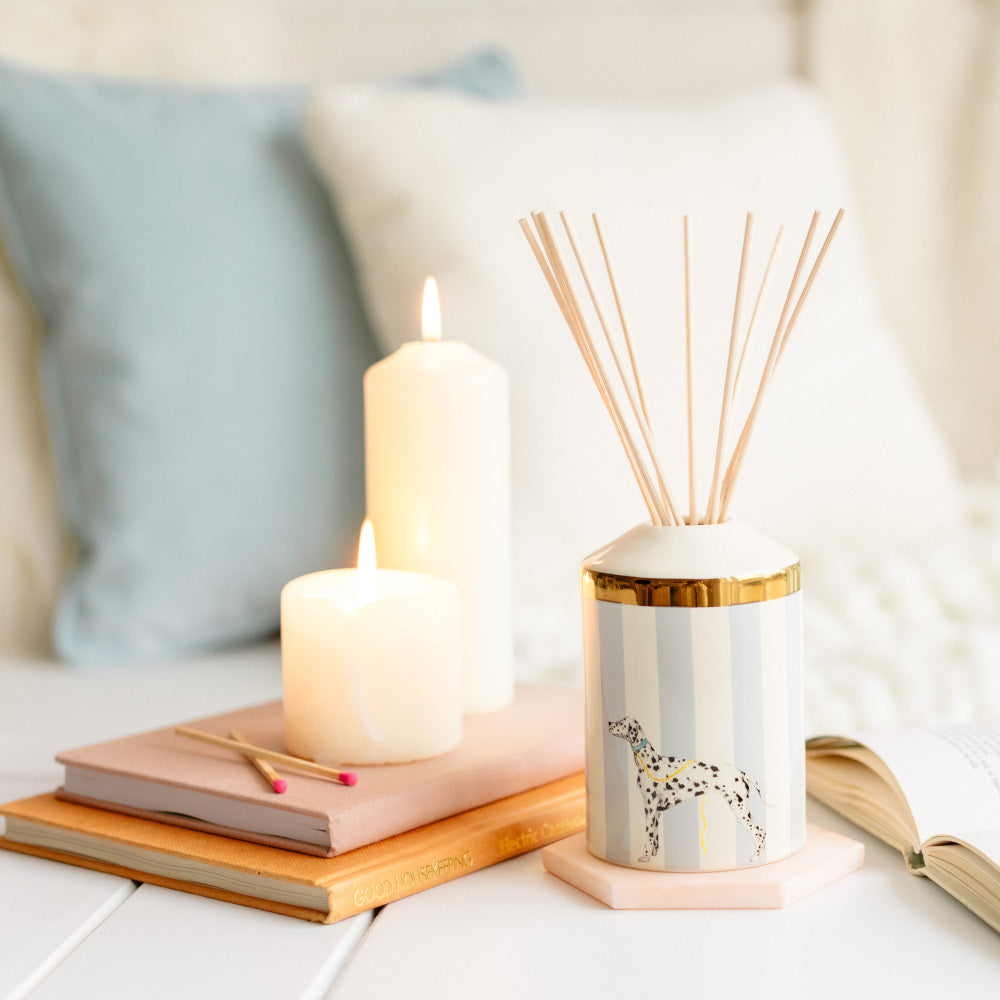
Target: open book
x,y
932,794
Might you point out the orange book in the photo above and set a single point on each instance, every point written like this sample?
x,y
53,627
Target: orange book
x,y
299,885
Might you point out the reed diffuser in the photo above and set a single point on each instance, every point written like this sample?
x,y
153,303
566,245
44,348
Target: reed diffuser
x,y
692,625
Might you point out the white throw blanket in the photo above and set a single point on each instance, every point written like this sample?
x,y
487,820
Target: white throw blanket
x,y
908,635
897,636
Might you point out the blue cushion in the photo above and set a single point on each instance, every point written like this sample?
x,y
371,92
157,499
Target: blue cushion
x,y
204,353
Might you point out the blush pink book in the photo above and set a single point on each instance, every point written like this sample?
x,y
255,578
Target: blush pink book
x,y
163,776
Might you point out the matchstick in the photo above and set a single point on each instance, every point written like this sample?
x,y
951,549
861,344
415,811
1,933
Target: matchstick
x,y
249,750
271,776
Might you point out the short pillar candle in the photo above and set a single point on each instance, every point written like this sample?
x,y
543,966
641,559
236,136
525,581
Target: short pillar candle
x,y
371,661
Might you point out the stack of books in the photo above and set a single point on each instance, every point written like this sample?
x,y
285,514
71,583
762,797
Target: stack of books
x,y
158,807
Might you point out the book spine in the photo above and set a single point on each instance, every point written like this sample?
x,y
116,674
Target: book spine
x,y
533,826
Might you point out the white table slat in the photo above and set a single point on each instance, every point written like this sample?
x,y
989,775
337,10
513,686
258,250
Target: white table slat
x,y
516,930
16,786
46,910
48,707
161,944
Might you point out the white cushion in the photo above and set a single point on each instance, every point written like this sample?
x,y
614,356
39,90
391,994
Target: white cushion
x,y
846,447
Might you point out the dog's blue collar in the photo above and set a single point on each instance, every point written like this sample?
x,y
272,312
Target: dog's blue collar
x,y
638,746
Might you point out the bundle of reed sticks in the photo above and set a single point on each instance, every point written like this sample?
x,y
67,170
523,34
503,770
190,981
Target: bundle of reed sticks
x,y
631,419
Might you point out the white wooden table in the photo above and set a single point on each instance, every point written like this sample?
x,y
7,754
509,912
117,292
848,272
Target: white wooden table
x,y
509,931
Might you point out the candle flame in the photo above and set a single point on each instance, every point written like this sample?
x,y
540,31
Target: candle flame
x,y
367,567
431,318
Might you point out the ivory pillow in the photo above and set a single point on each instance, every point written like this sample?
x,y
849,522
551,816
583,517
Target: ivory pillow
x,y
846,448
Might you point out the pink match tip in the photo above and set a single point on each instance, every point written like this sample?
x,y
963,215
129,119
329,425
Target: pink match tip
x,y
348,777
280,785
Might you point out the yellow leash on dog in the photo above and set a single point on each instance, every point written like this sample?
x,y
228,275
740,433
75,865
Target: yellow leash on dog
x,y
701,835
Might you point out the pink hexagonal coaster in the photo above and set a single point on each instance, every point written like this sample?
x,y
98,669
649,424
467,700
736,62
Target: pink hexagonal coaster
x,y
824,858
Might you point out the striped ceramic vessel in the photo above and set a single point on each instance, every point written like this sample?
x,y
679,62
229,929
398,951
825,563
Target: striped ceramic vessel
x,y
693,660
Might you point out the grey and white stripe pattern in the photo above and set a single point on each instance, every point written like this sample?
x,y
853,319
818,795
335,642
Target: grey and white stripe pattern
x,y
718,685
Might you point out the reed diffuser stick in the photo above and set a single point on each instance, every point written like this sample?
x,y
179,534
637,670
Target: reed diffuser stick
x,y
770,362
591,356
726,481
755,315
689,377
556,285
627,444
656,494
809,281
626,335
736,463
714,495
630,394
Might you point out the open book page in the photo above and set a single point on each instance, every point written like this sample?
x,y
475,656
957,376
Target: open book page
x,y
950,777
853,781
968,866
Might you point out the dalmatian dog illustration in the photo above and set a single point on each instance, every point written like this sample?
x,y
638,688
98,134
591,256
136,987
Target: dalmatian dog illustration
x,y
664,781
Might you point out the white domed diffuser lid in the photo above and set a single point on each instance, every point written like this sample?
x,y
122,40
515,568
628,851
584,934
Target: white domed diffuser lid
x,y
704,565
691,552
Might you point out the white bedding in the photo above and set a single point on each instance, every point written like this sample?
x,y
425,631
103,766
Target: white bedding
x,y
908,635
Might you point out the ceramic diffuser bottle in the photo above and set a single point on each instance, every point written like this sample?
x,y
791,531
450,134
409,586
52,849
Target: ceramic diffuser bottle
x,y
692,624
693,667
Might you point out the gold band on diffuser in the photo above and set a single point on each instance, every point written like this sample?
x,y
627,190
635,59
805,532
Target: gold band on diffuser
x,y
720,593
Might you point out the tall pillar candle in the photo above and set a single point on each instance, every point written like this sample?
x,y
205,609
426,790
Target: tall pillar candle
x,y
437,446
